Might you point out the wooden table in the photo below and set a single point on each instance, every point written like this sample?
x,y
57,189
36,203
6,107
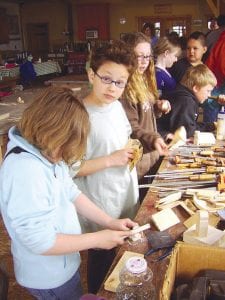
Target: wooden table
x,y
8,82
10,105
43,68
159,268
80,87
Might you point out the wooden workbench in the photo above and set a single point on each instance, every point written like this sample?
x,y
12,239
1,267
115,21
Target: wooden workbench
x,y
159,268
144,216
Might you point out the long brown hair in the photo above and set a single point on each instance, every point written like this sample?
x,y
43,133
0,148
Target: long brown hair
x,y
140,87
57,119
165,44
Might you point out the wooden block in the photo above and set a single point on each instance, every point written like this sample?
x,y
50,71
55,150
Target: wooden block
x,y
170,198
75,89
113,281
4,116
179,139
165,219
213,220
137,233
202,223
213,236
221,242
204,138
140,228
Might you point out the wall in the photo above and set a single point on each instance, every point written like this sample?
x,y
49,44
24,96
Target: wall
x,y
99,19
15,40
53,13
197,9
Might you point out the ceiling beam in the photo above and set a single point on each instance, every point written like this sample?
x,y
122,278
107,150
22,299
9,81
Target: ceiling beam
x,y
214,6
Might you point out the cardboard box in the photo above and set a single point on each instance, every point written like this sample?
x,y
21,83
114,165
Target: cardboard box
x,y
186,261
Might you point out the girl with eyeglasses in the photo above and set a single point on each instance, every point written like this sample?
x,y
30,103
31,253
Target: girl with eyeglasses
x,y
104,175
140,101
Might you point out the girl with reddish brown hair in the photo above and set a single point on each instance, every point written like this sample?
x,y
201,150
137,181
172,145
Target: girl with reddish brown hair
x,y
40,203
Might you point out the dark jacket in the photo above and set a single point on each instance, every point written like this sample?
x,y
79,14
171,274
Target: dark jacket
x,y
184,112
179,68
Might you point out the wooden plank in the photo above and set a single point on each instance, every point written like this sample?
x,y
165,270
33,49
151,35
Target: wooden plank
x,y
4,116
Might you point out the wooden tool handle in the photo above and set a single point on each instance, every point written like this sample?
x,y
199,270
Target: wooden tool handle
x,y
219,149
214,170
206,152
211,169
214,97
209,162
202,177
140,228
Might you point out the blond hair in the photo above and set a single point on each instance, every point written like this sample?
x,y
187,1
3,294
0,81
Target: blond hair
x,y
199,76
140,87
57,119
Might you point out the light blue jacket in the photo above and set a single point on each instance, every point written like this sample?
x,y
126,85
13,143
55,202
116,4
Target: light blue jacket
x,y
36,201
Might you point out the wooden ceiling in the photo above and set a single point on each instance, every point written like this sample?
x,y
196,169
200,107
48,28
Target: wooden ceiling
x,y
214,5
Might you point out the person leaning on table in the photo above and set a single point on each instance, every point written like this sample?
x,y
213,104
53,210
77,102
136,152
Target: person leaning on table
x,y
39,201
194,88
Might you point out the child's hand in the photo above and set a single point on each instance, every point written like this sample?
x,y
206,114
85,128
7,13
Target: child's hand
x,y
169,137
164,106
121,224
108,239
121,157
221,99
161,146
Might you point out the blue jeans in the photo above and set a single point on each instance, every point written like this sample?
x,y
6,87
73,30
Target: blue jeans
x,y
71,290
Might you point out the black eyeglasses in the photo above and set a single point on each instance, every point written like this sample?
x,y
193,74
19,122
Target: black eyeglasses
x,y
144,57
107,80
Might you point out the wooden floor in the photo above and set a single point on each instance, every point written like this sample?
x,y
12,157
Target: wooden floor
x,y
16,292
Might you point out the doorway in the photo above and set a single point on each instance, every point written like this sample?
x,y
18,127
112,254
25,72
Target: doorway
x,y
164,25
38,39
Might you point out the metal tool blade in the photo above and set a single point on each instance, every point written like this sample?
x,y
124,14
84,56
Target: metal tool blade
x,y
181,185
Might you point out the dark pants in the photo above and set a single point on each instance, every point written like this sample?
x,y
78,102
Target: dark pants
x,y
71,290
4,283
98,264
148,180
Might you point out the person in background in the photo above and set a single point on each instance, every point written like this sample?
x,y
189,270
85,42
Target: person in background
x,y
140,101
149,30
174,38
194,88
215,60
212,26
104,175
196,47
40,203
214,35
166,52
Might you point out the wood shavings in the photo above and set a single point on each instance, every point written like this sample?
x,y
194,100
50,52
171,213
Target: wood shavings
x,y
19,100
